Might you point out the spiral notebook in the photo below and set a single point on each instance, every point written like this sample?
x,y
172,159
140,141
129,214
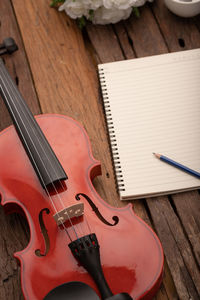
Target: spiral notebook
x,y
152,104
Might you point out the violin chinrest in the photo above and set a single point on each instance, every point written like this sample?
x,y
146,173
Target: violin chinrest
x,y
74,290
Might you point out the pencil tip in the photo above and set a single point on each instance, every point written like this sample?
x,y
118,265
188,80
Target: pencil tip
x,y
157,155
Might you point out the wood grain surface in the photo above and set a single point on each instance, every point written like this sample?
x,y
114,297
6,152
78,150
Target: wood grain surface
x,y
56,71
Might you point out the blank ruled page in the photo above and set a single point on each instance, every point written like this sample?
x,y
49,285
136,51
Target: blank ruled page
x,y
152,104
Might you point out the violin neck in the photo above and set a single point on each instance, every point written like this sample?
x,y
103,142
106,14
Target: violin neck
x,y
41,155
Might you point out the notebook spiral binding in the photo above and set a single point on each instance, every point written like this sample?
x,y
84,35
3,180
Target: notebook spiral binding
x,y
111,131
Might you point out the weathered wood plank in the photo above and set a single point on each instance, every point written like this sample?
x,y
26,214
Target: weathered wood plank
x,y
169,284
197,21
145,34
124,40
16,63
106,43
188,210
177,249
179,33
12,239
130,38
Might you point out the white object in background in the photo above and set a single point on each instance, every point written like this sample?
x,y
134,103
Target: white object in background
x,y
184,8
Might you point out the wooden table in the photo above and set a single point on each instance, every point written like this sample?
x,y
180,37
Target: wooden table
x,y
56,71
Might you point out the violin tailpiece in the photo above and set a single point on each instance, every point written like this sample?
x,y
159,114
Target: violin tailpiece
x,y
69,212
86,251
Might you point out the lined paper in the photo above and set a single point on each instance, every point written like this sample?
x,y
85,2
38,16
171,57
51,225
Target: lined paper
x,y
152,104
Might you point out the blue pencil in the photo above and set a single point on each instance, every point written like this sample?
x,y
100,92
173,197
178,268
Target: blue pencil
x,y
177,165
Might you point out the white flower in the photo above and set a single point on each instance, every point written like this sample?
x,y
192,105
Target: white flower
x,y
78,8
95,4
75,9
119,4
102,11
105,16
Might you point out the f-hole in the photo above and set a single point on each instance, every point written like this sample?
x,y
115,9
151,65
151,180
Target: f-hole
x,y
38,252
96,210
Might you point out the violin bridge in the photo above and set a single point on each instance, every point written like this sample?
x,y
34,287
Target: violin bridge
x,y
69,212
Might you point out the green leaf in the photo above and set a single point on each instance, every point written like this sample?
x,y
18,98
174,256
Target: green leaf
x,y
136,12
91,14
54,3
81,22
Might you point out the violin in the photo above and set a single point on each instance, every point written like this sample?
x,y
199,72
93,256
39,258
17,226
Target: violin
x,y
80,247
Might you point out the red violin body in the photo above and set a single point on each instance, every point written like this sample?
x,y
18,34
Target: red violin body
x,y
131,254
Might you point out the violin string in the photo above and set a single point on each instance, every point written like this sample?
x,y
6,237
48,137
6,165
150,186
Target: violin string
x,y
42,163
46,190
60,182
25,107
